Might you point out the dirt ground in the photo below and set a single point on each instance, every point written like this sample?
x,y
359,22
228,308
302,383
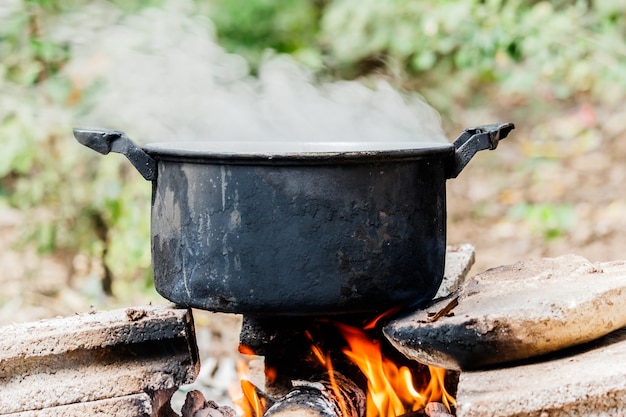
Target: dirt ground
x,y
549,189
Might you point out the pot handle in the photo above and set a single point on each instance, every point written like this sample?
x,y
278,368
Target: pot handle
x,y
476,139
105,141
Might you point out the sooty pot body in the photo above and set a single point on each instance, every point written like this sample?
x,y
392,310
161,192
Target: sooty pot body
x,y
312,239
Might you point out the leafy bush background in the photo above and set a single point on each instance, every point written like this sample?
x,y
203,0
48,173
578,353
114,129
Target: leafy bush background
x,y
522,59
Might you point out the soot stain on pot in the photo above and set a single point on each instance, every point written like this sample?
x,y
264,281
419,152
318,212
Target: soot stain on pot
x,y
378,233
166,221
183,271
317,207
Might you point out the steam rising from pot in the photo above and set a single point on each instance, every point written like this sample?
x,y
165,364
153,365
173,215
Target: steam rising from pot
x,y
165,79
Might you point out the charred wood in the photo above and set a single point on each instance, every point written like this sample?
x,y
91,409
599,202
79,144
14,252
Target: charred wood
x,y
161,403
197,406
331,396
434,409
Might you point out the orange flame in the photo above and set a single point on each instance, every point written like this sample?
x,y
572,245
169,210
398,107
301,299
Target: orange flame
x,y
391,391
325,361
372,323
251,403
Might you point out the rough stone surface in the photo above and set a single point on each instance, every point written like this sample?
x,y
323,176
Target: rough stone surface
x,y
136,405
515,312
91,357
587,380
459,260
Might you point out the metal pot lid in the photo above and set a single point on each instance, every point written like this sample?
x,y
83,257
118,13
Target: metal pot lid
x,y
294,150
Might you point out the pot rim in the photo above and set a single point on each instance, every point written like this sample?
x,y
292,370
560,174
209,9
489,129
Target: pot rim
x,y
287,152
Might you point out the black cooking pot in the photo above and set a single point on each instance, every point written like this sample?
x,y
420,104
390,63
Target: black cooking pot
x,y
298,229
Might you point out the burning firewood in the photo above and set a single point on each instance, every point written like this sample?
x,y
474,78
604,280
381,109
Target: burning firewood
x,y
390,386
333,396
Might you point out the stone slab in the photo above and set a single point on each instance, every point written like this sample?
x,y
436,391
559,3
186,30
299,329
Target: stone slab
x,y
587,380
91,357
459,261
136,405
515,312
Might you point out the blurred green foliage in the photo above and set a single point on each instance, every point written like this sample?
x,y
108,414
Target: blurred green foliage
x,y
74,206
549,221
454,52
493,40
449,50
248,28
